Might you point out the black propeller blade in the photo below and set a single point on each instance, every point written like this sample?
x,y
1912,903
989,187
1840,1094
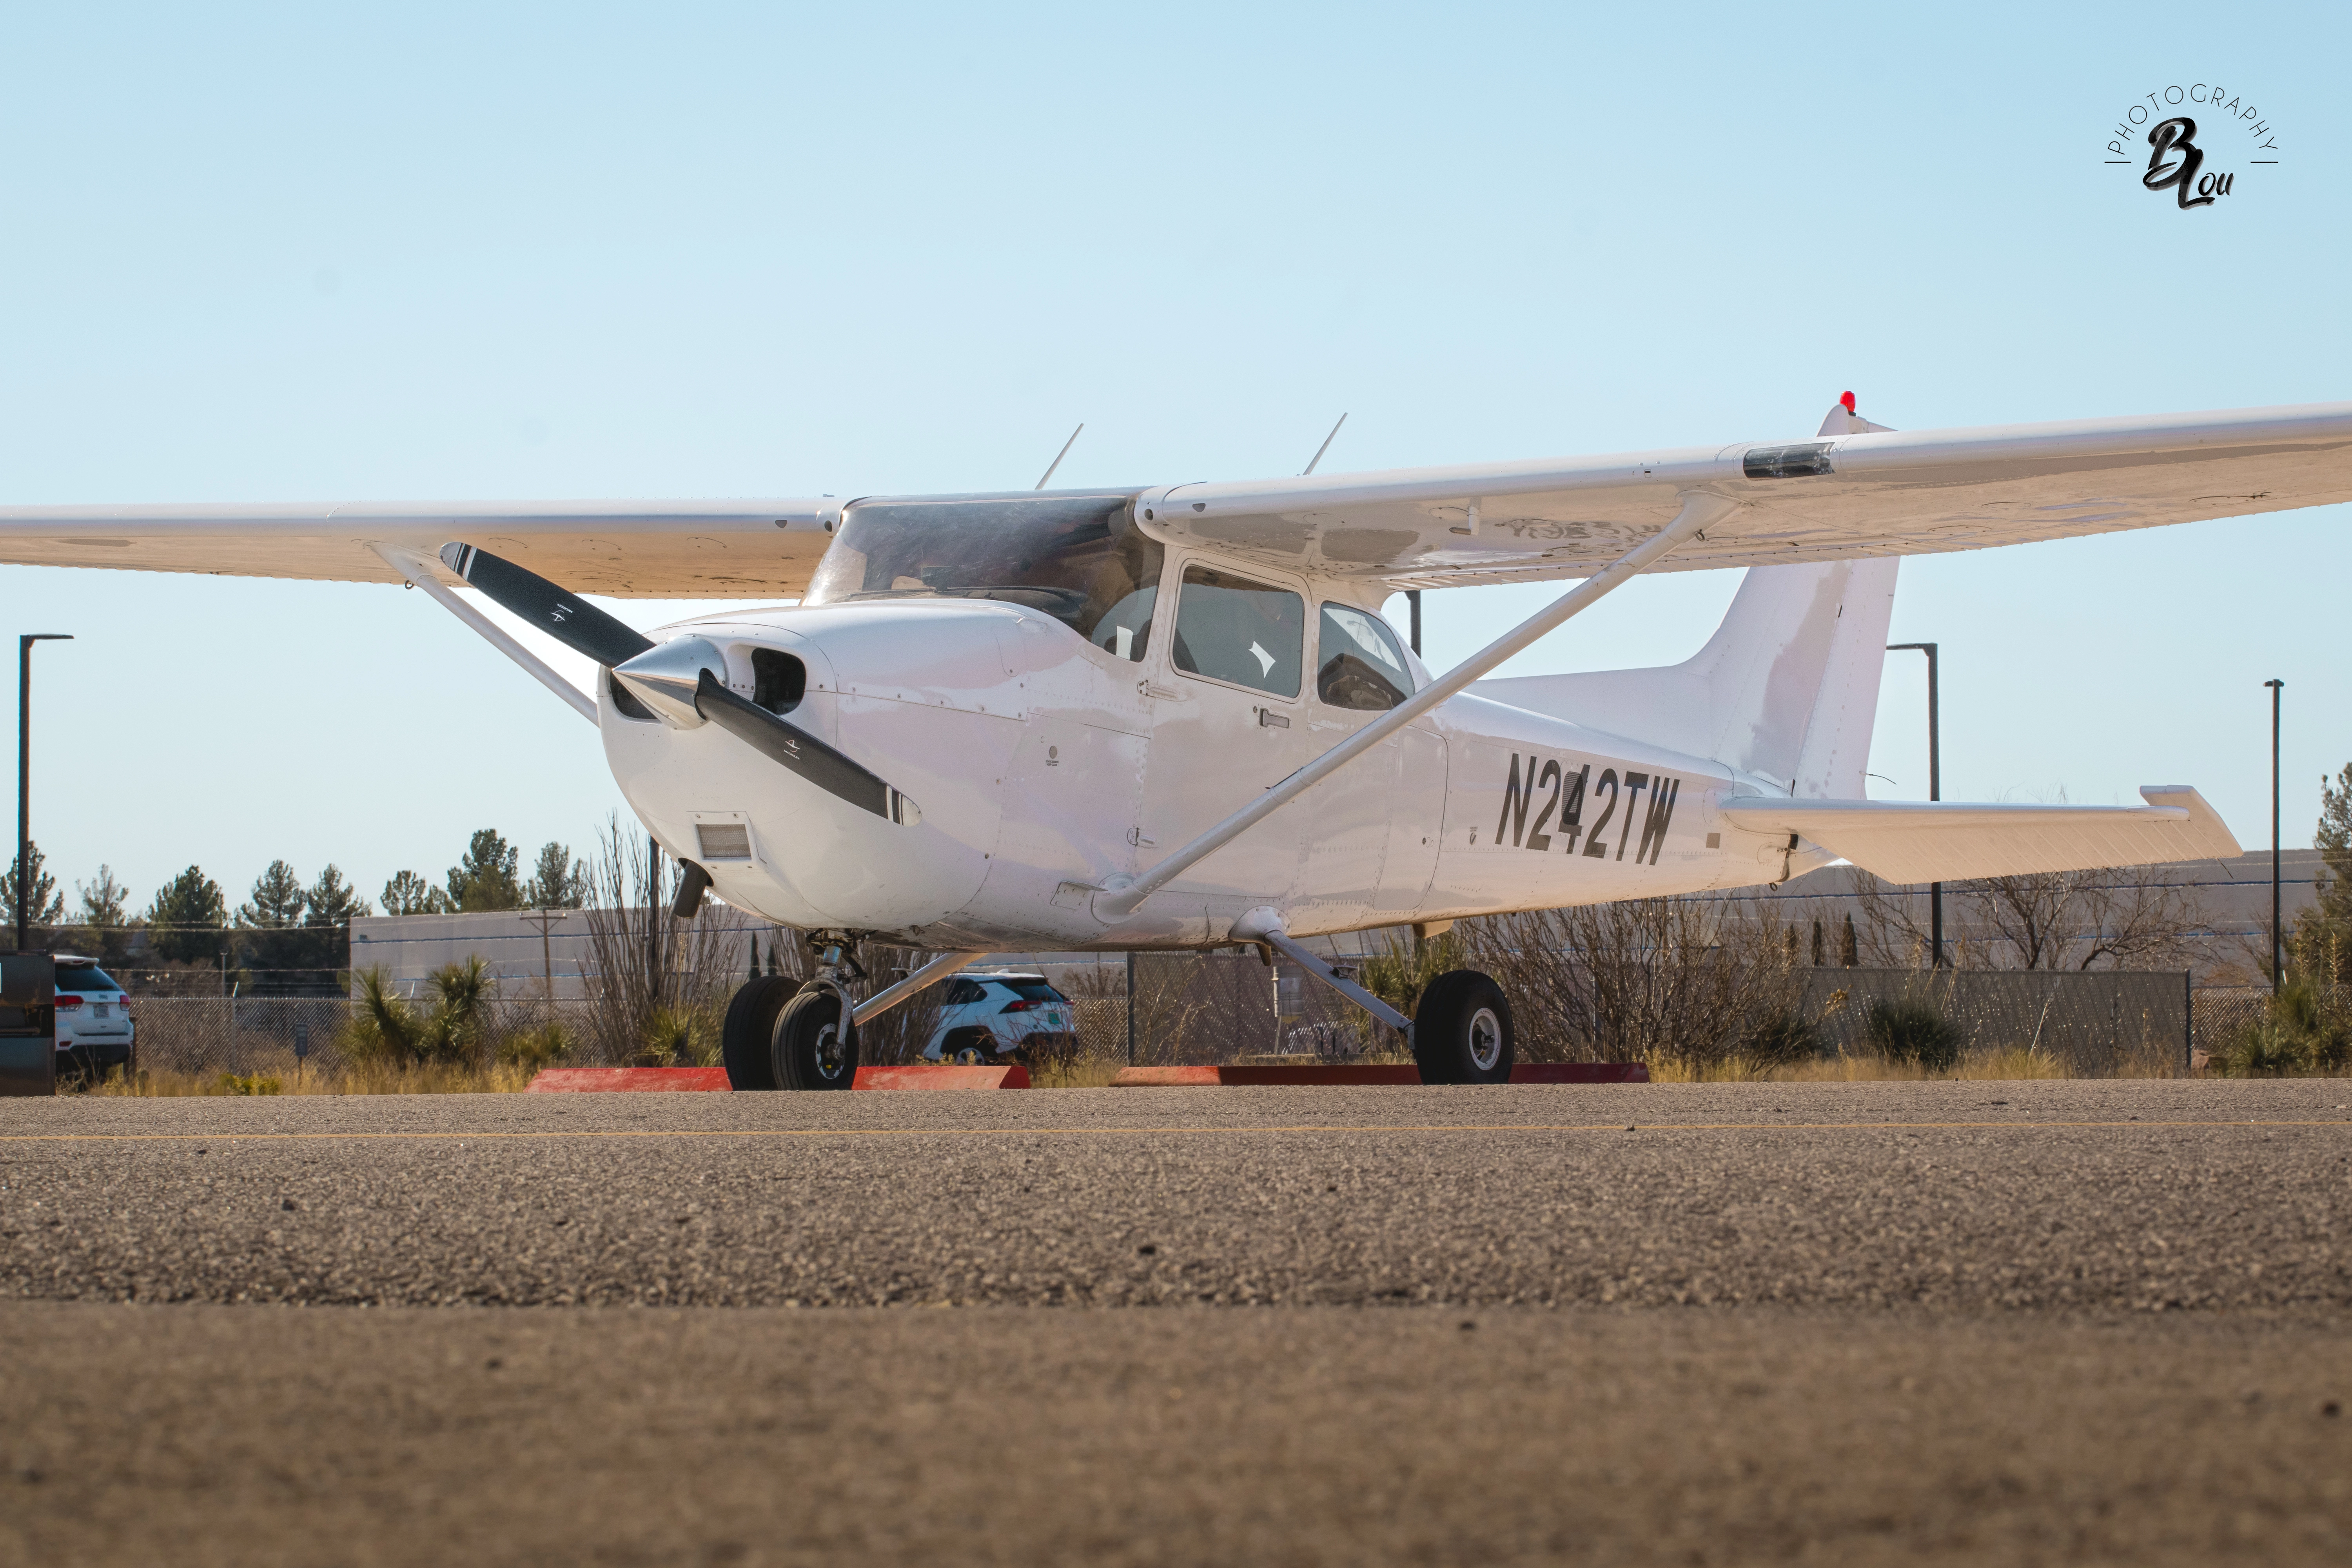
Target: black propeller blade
x,y
801,752
569,619
585,629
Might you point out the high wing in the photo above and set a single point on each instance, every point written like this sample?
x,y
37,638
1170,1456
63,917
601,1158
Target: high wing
x,y
1833,497
646,550
1874,492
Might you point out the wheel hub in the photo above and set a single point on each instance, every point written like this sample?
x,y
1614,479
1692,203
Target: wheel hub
x,y
1486,1039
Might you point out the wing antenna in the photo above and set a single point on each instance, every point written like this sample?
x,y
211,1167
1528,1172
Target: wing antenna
x,y
1323,448
1060,454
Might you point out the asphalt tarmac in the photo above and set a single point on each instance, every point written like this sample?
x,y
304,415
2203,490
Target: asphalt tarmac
x,y
1980,1321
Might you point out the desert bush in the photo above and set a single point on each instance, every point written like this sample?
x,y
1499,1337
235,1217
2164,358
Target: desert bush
x,y
1685,981
678,1034
389,1029
1781,1037
2304,1028
536,1047
251,1083
1910,1030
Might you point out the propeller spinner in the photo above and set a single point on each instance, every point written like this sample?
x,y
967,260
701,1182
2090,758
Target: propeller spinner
x,y
683,680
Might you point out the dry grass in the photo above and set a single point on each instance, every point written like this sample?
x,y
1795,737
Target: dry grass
x,y
1078,1072
2016,1062
363,1078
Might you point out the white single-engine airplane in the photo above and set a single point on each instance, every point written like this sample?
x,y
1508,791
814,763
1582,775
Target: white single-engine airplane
x,y
1173,717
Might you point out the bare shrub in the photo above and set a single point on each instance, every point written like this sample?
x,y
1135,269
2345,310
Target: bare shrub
x,y
2043,920
660,985
1693,982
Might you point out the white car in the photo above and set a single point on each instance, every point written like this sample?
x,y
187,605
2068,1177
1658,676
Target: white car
x,y
998,1015
94,1030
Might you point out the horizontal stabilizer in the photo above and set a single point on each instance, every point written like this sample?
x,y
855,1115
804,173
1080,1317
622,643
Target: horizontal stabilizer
x,y
1936,841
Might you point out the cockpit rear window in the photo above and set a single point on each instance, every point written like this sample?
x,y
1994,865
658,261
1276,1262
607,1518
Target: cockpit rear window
x,y
1076,558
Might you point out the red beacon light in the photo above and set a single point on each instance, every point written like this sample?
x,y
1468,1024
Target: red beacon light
x,y
1848,401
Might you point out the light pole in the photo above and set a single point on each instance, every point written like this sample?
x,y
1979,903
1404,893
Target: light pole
x,y
2278,938
24,768
1935,792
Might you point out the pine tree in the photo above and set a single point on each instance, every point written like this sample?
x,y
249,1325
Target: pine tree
x,y
2322,932
105,902
276,901
558,881
408,894
1821,946
44,906
1849,949
484,878
331,901
189,915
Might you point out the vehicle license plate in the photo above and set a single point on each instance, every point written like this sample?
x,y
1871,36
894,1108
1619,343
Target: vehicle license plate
x,y
99,1010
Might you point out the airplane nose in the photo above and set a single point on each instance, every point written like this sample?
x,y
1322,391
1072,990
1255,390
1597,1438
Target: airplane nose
x,y
666,676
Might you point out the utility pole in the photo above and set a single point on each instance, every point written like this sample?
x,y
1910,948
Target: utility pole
x,y
2278,937
1935,792
545,920
25,770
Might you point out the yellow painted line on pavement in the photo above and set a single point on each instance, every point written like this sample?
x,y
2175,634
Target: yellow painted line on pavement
x,y
580,1135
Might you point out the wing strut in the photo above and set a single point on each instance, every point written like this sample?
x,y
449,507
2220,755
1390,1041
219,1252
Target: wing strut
x,y
1120,897
410,566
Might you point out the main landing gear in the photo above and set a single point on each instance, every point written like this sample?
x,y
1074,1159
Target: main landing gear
x,y
1462,1030
1461,1033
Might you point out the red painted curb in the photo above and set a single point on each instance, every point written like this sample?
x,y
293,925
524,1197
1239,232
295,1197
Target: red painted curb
x,y
1013,1076
628,1080
1266,1076
709,1080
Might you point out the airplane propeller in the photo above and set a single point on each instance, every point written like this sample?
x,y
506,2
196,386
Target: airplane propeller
x,y
675,678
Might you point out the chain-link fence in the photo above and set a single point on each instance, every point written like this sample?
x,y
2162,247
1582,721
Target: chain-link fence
x,y
2095,1023
2222,1010
1218,1007
209,1035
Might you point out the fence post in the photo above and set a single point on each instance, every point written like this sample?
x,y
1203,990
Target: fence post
x,y
2187,1020
1130,1006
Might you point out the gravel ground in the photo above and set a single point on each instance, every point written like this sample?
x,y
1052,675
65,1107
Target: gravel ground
x,y
2104,1197
1877,1322
1308,1435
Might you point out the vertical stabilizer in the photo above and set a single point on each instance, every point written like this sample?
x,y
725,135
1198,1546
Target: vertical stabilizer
x,y
1787,688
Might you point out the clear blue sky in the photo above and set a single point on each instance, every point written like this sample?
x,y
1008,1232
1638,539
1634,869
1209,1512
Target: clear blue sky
x,y
312,252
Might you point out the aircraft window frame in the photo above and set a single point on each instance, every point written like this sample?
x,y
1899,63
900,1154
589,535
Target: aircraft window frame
x,y
1079,559
1182,569
1381,626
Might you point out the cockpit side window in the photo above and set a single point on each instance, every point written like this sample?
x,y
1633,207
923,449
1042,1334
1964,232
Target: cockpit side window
x,y
1230,628
1079,559
1360,664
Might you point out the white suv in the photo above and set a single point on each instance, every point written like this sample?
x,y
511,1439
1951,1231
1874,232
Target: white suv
x,y
95,1032
994,1014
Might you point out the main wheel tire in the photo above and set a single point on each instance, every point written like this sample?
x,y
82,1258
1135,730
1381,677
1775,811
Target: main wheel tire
x,y
1462,1031
812,1049
744,1041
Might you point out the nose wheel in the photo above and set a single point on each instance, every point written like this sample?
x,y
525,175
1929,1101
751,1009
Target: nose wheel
x,y
814,1046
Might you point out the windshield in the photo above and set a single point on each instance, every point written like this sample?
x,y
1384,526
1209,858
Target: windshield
x,y
1076,558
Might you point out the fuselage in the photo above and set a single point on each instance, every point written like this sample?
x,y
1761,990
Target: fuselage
x,y
1045,762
